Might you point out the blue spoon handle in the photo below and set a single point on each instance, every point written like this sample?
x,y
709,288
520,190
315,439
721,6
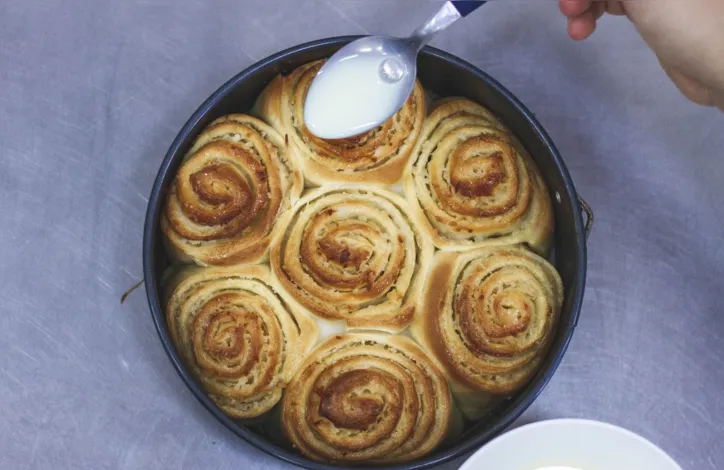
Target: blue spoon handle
x,y
465,7
447,15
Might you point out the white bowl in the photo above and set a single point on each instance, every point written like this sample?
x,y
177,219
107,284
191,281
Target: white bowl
x,y
570,444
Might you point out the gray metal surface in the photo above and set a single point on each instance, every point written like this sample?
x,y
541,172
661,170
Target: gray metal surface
x,y
91,95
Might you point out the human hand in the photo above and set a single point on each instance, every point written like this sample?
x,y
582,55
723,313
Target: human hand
x,y
687,36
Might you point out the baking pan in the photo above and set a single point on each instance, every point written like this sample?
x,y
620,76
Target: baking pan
x,y
444,75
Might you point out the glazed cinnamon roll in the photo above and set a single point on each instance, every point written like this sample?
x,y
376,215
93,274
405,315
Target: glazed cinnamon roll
x,y
378,156
367,397
472,184
352,254
237,336
237,182
489,316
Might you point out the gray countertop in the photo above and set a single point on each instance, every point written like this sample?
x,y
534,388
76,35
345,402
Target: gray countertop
x,y
92,94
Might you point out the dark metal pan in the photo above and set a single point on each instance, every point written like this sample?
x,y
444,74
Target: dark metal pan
x,y
445,75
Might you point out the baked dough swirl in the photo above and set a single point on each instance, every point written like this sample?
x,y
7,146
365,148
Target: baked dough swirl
x,y
367,397
237,182
237,336
472,183
489,316
353,254
378,156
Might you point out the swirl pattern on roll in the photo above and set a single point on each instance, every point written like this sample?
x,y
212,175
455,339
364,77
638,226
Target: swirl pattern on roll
x,y
378,156
367,397
237,336
489,316
237,182
353,254
472,184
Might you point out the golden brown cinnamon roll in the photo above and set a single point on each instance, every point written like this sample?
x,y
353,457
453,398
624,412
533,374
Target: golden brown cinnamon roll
x,y
353,254
238,181
472,183
378,156
237,336
367,397
489,316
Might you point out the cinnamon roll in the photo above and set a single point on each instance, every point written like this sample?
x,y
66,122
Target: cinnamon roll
x,y
472,184
378,156
489,316
369,398
237,336
237,182
354,255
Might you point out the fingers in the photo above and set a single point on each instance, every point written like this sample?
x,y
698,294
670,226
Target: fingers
x,y
582,15
615,7
574,8
582,26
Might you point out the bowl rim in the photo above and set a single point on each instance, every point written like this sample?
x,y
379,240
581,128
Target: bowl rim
x,y
152,279
551,425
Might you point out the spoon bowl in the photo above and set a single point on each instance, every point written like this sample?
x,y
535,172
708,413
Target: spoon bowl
x,y
366,82
361,86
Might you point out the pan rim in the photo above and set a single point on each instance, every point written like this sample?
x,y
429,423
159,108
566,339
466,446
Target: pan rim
x,y
152,284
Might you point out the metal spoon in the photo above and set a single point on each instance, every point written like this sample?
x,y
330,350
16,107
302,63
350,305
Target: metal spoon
x,y
344,101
